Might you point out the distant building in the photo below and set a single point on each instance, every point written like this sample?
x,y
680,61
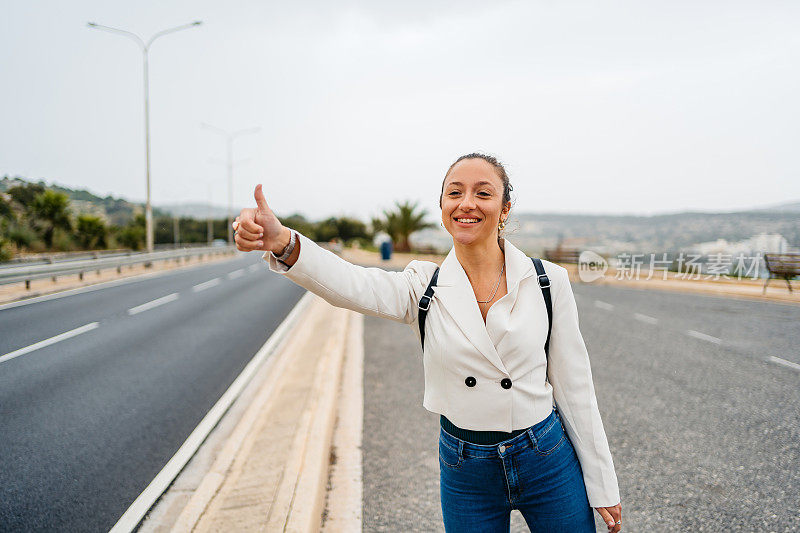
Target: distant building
x,y
758,244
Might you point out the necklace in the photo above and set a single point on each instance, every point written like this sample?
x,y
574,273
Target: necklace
x,y
496,285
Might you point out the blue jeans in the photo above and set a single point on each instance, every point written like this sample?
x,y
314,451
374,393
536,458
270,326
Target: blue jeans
x,y
536,472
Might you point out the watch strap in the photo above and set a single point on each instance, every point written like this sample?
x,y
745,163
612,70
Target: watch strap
x,y
289,247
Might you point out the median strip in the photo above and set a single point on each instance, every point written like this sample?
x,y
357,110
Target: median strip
x,y
153,303
52,340
137,510
271,473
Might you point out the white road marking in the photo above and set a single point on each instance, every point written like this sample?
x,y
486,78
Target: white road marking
x,y
129,520
784,362
603,305
645,318
703,336
52,340
153,303
236,273
206,285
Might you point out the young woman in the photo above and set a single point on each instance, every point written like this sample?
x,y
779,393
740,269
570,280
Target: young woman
x,y
503,444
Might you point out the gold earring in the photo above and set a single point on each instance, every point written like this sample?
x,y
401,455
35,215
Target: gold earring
x,y
501,225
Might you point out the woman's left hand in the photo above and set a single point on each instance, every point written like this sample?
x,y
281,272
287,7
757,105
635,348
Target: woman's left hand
x,y
612,515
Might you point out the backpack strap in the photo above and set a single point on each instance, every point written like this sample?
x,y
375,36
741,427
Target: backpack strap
x,y
424,304
544,283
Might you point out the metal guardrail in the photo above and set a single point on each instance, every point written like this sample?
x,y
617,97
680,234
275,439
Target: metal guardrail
x,y
29,272
562,255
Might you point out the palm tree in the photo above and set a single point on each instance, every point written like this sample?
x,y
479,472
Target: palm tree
x,y
50,211
400,224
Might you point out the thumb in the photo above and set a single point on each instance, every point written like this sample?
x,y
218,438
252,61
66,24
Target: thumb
x,y
606,516
260,200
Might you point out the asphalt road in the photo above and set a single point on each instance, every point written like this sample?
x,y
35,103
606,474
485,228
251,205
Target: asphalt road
x,y
87,422
704,427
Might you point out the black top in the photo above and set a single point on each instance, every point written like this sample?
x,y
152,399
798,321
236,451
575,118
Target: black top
x,y
477,437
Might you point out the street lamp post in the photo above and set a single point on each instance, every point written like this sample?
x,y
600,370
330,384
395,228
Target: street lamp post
x,y
145,46
229,137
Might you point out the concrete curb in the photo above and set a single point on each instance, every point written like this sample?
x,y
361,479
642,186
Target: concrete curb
x,y
343,512
300,498
213,480
290,496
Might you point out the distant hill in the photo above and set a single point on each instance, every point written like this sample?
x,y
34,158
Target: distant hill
x,y
655,232
788,207
115,211
533,231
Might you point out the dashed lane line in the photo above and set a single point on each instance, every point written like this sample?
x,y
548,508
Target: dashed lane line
x,y
603,305
236,273
784,362
52,340
153,303
645,318
206,285
703,336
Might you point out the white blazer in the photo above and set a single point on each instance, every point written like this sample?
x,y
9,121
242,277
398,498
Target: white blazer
x,y
458,345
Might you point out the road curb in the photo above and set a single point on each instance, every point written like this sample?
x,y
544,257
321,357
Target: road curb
x,y
160,484
300,498
291,495
343,512
213,480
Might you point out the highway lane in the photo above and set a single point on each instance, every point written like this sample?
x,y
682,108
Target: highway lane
x,y
705,436
86,423
63,314
751,327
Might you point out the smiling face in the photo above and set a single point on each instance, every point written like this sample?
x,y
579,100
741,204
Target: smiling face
x,y
472,202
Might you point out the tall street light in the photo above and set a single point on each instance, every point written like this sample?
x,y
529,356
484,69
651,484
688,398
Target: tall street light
x,y
145,46
229,137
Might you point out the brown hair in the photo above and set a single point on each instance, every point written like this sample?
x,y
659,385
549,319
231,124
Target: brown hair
x,y
498,168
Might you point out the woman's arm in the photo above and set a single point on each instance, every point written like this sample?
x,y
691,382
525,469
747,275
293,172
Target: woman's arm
x,y
368,290
570,374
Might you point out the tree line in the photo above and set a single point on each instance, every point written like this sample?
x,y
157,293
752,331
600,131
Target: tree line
x,y
36,218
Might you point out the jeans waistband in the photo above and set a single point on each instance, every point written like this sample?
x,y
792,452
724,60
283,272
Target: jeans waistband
x,y
523,437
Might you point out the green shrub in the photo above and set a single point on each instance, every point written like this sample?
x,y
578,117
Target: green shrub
x,y
6,251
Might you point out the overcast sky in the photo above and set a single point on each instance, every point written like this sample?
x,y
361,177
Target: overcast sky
x,y
595,107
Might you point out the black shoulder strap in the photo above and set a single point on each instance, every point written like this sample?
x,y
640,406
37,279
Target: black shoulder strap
x,y
544,283
424,304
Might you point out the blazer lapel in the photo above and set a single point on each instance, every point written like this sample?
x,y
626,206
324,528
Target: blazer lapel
x,y
455,292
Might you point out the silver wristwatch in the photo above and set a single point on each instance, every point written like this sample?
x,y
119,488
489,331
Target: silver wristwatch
x,y
289,247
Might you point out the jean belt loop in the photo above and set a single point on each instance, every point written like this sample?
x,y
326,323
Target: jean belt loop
x,y
460,449
529,432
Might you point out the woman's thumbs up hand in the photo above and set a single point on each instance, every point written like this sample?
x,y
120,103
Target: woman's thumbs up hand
x,y
259,228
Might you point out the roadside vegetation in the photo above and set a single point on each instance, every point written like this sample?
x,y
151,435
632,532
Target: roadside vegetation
x,y
37,218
